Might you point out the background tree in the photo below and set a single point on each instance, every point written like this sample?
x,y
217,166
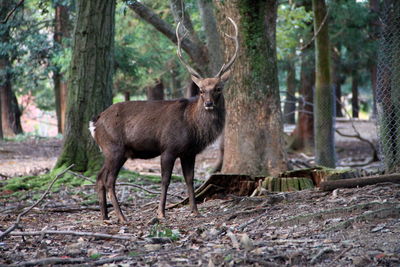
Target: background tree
x,y
323,98
11,123
90,81
62,30
253,133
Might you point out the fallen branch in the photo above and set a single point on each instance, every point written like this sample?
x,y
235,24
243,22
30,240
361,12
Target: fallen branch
x,y
16,224
75,233
63,260
357,182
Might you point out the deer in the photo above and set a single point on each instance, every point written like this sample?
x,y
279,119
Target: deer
x,y
171,129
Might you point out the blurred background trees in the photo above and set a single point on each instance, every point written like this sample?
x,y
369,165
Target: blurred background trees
x,y
36,52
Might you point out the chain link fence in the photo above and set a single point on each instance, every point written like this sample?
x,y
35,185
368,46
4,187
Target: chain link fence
x,y
388,86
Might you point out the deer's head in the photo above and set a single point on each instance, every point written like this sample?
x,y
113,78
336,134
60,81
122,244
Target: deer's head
x,y
211,89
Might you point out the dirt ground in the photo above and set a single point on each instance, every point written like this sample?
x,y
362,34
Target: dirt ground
x,y
346,227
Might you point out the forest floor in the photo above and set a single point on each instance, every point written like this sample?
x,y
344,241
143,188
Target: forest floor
x,y
346,227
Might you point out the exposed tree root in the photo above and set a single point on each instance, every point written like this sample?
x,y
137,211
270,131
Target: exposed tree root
x,y
222,185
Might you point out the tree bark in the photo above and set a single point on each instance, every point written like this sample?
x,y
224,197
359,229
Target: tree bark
x,y
214,45
90,82
374,24
303,134
254,126
323,99
61,30
337,80
290,104
11,122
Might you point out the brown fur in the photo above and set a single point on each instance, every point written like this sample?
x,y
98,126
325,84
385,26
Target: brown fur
x,y
146,129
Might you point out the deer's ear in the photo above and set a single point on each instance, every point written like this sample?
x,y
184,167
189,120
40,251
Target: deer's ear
x,y
196,80
225,76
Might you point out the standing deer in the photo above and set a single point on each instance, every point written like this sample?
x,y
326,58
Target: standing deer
x,y
174,129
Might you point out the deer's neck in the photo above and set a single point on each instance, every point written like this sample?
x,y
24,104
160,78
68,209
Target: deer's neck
x,y
207,125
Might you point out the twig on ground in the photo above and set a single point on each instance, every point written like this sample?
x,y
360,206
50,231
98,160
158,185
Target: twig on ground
x,y
334,261
320,253
244,225
15,225
76,233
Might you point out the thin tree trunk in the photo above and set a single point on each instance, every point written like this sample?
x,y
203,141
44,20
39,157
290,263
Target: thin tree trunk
x,y
213,38
374,23
127,96
290,104
90,82
337,80
354,90
156,92
61,30
323,100
254,126
303,134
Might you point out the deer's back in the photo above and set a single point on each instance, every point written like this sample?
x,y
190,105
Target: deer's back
x,y
144,129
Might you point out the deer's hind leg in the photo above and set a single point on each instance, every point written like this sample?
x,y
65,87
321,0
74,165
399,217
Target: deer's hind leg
x,y
101,192
114,164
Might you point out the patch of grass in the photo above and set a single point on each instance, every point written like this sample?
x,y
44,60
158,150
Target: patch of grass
x,y
42,182
95,256
158,230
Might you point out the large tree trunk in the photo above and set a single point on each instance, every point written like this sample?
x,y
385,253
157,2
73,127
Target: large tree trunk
x,y
61,30
323,100
303,134
290,104
90,82
254,130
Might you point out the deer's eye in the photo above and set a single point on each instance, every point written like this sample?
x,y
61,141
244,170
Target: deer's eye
x,y
201,92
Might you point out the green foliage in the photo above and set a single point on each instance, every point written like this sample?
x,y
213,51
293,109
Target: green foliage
x,y
292,29
96,256
142,54
159,230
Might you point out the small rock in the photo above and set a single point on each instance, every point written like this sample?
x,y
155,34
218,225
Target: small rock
x,y
92,251
246,242
152,247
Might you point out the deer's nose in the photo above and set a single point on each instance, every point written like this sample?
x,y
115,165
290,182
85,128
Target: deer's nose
x,y
208,104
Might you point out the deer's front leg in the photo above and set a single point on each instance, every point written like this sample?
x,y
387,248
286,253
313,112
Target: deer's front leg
x,y
188,172
167,165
